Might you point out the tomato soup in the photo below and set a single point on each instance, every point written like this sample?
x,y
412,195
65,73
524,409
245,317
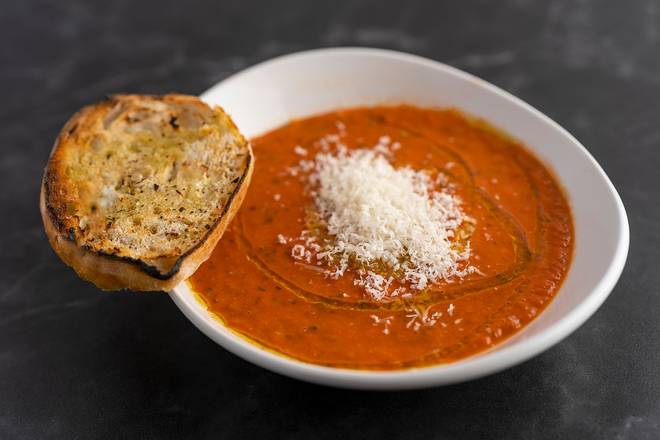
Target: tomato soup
x,y
520,244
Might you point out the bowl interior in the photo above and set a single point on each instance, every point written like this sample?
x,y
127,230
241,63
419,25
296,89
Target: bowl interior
x,y
270,94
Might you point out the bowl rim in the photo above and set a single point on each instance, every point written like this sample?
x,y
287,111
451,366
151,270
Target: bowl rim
x,y
485,363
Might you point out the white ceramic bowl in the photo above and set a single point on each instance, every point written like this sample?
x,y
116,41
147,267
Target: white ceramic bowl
x,y
271,93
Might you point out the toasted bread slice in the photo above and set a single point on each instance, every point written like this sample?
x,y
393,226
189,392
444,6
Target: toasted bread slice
x,y
139,189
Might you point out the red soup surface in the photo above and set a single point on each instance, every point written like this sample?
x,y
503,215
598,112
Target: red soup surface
x,y
521,244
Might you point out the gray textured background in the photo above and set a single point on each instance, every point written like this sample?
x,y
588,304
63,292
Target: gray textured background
x,y
75,363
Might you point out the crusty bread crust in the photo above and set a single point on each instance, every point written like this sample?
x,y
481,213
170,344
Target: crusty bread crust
x,y
109,271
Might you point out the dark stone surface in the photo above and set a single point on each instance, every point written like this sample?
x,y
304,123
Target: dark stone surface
x,y
75,363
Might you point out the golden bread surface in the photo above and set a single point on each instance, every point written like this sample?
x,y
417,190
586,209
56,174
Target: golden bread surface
x,y
145,181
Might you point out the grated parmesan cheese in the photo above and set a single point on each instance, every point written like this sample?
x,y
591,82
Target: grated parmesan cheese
x,y
376,214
